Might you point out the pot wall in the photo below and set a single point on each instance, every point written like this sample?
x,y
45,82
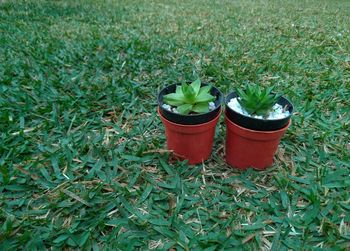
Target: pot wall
x,y
191,142
249,148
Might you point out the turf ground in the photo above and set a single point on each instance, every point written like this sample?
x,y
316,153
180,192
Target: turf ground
x,y
82,160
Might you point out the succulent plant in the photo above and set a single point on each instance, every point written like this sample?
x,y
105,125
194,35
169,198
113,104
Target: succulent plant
x,y
256,100
190,98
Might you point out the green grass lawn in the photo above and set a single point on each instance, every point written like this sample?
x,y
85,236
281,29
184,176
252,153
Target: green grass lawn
x,y
82,150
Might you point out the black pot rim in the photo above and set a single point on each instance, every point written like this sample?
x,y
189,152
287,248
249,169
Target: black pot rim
x,y
257,123
190,115
227,101
190,118
190,125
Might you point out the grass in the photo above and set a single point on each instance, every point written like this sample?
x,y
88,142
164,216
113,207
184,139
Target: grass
x,y
82,150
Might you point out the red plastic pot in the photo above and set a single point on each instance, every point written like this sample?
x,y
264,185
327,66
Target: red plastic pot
x,y
250,148
191,142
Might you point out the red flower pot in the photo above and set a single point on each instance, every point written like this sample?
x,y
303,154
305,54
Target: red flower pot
x,y
250,148
191,142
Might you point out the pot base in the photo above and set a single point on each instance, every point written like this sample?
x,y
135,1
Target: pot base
x,y
249,148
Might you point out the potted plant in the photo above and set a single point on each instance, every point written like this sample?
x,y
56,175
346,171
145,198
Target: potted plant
x,y
256,120
190,113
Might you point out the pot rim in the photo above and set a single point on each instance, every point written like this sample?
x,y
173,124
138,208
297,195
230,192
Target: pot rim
x,y
248,117
220,101
188,125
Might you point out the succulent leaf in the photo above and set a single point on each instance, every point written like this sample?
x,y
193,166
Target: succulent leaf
x,y
204,97
188,93
204,89
201,107
174,99
184,109
196,85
